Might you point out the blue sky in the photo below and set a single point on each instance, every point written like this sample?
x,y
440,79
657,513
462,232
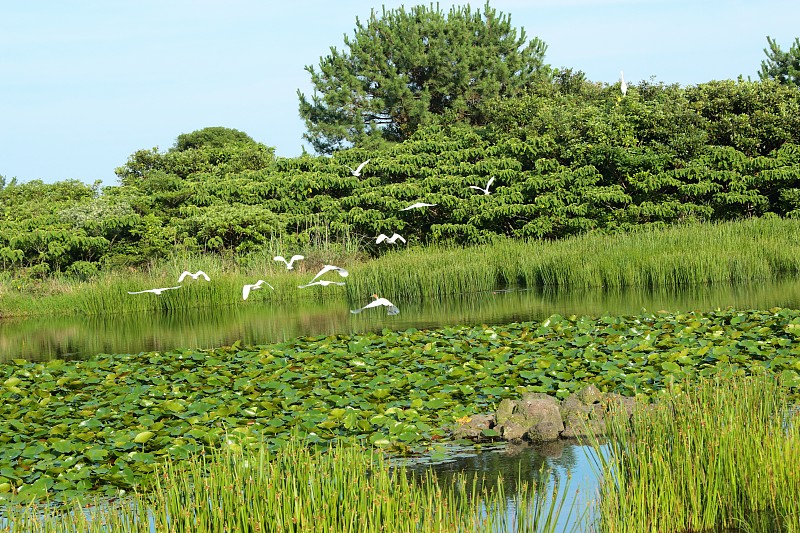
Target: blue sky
x,y
86,83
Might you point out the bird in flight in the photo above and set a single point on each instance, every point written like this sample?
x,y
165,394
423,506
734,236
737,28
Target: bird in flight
x,y
155,291
322,282
357,171
486,190
391,240
328,268
193,276
391,309
257,285
622,85
290,262
417,205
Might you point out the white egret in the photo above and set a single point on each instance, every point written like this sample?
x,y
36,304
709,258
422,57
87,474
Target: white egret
x,y
327,268
322,282
622,85
391,240
193,276
257,285
155,291
357,171
290,262
391,309
486,190
417,206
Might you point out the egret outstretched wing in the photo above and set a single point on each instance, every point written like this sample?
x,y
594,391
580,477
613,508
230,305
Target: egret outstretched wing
x,y
322,282
391,309
357,171
193,276
290,262
257,285
155,291
417,206
486,190
329,268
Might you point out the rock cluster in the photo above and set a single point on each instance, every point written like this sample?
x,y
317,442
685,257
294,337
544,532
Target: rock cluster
x,y
538,417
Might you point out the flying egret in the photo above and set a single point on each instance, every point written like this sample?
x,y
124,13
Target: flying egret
x,y
155,291
322,282
622,85
486,190
327,268
391,309
289,262
257,285
357,171
417,205
194,276
391,240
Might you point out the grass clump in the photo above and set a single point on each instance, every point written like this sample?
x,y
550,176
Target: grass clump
x,y
298,489
712,455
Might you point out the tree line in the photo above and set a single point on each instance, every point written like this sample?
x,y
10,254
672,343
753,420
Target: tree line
x,y
436,102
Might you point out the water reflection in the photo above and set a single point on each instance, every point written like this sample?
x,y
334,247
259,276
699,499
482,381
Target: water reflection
x,y
78,337
569,464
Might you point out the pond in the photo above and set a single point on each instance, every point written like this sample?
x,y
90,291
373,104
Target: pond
x,y
254,323
258,323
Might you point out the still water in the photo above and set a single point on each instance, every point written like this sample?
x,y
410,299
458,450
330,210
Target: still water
x,y
255,323
259,322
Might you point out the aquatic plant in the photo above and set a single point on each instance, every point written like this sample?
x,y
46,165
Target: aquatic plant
x,y
300,489
709,455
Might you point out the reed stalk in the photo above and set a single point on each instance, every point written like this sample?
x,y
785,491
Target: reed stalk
x,y
296,489
718,454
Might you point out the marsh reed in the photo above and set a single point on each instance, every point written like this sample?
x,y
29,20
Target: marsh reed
x,y
341,489
719,454
730,252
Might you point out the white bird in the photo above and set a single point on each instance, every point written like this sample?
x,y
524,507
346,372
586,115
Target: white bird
x,y
155,291
194,276
417,205
322,282
327,268
257,285
357,171
622,85
391,240
391,308
290,262
486,190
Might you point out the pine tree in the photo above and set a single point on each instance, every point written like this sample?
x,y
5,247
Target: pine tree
x,y
404,67
781,66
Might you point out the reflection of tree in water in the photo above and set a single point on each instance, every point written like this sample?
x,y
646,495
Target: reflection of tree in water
x,y
540,464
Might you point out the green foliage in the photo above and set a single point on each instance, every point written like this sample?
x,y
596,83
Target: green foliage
x,y
214,137
567,157
402,68
784,67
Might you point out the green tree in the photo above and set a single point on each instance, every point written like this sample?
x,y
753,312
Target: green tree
x,y
781,66
215,137
403,68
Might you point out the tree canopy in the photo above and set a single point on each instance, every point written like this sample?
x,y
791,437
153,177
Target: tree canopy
x,y
402,68
781,66
215,137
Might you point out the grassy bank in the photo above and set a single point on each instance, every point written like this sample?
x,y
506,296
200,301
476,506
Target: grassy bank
x,y
734,252
731,252
715,455
342,489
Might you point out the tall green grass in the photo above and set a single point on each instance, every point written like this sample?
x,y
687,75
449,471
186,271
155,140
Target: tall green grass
x,y
718,454
731,252
343,489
